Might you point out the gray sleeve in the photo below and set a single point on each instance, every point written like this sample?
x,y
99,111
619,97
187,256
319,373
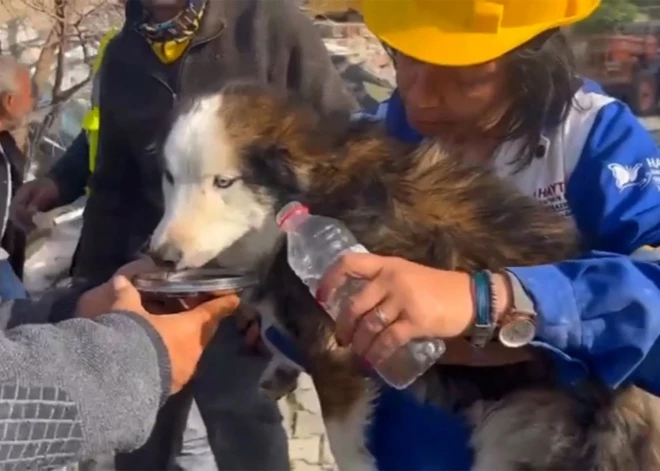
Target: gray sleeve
x,y
310,71
78,388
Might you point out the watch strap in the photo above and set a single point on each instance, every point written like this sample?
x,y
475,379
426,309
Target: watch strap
x,y
520,300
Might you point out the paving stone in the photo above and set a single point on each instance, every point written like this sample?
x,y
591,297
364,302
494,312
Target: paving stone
x,y
308,449
309,401
326,454
287,416
300,465
305,449
305,383
307,424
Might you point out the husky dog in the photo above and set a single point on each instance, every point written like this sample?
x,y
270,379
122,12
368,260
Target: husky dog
x,y
233,159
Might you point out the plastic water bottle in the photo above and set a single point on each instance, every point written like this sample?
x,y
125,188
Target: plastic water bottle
x,y
314,244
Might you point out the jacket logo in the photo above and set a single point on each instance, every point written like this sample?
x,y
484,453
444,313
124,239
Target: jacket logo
x,y
626,175
554,196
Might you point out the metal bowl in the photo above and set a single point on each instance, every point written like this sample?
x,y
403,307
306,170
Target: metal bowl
x,y
217,281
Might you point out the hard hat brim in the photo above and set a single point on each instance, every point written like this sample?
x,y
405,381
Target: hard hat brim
x,y
421,39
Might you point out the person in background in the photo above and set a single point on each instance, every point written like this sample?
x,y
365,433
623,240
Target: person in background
x,y
67,179
167,52
15,105
63,185
496,82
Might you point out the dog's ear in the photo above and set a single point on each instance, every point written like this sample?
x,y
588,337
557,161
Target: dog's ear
x,y
271,167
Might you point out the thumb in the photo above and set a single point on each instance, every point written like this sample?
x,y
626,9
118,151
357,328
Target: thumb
x,y
210,313
33,207
120,283
125,293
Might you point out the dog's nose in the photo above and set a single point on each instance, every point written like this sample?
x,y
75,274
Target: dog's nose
x,y
166,255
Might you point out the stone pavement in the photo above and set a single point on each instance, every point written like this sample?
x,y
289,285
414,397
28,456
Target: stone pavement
x,y
308,446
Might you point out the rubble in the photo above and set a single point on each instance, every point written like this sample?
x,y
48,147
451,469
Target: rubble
x,y
361,60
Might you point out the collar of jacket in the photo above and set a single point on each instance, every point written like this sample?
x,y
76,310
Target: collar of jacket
x,y
396,122
213,21
14,155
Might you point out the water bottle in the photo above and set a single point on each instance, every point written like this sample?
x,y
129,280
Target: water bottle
x,y
314,244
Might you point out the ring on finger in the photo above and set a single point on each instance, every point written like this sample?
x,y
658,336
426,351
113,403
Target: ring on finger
x,y
380,315
377,320
371,325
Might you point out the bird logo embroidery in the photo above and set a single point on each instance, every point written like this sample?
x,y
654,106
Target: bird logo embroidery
x,y
626,176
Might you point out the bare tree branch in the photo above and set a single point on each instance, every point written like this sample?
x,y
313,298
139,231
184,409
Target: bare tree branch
x,y
61,10
66,95
69,29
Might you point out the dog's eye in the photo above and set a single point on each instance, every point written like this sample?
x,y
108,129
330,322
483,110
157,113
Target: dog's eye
x,y
169,178
223,182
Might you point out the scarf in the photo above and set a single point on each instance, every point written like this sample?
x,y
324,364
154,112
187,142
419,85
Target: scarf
x,y
170,39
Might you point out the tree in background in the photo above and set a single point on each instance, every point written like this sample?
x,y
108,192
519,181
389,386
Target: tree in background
x,y
651,8
64,29
611,15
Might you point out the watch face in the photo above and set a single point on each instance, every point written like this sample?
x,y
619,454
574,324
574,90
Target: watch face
x,y
517,333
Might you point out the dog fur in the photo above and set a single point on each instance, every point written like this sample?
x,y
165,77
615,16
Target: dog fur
x,y
234,158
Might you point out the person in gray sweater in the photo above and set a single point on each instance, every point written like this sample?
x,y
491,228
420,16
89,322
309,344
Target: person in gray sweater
x,y
95,383
84,386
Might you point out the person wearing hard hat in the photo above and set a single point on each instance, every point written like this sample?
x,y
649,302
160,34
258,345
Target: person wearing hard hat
x,y
496,82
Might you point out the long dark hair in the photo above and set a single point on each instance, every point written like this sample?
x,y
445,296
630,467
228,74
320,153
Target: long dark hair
x,y
543,77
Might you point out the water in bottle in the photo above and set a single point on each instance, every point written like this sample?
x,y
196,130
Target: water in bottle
x,y
314,244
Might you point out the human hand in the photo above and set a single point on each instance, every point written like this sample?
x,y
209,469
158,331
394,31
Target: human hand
x,y
399,302
100,300
185,334
247,319
36,196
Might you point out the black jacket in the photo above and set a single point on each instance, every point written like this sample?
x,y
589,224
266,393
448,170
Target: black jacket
x,y
268,40
13,239
71,171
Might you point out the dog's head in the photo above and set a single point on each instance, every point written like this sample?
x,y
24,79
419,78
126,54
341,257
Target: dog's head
x,y
231,160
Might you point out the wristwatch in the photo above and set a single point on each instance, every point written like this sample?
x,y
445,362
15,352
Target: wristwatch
x,y
517,327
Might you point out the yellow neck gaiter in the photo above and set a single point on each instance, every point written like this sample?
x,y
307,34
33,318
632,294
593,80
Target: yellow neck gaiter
x,y
170,51
169,40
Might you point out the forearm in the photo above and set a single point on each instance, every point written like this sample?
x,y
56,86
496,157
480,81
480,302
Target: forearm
x,y
79,388
599,312
71,171
21,311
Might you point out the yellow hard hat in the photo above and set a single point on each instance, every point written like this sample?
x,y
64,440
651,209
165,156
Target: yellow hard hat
x,y
467,32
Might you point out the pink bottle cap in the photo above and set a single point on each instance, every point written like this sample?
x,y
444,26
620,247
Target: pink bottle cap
x,y
293,208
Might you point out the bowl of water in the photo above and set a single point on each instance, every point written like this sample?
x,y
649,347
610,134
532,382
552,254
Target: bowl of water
x,y
184,283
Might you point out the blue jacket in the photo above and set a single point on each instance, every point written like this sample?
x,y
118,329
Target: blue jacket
x,y
600,313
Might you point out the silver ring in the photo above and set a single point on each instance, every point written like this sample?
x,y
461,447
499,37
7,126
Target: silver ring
x,y
380,315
